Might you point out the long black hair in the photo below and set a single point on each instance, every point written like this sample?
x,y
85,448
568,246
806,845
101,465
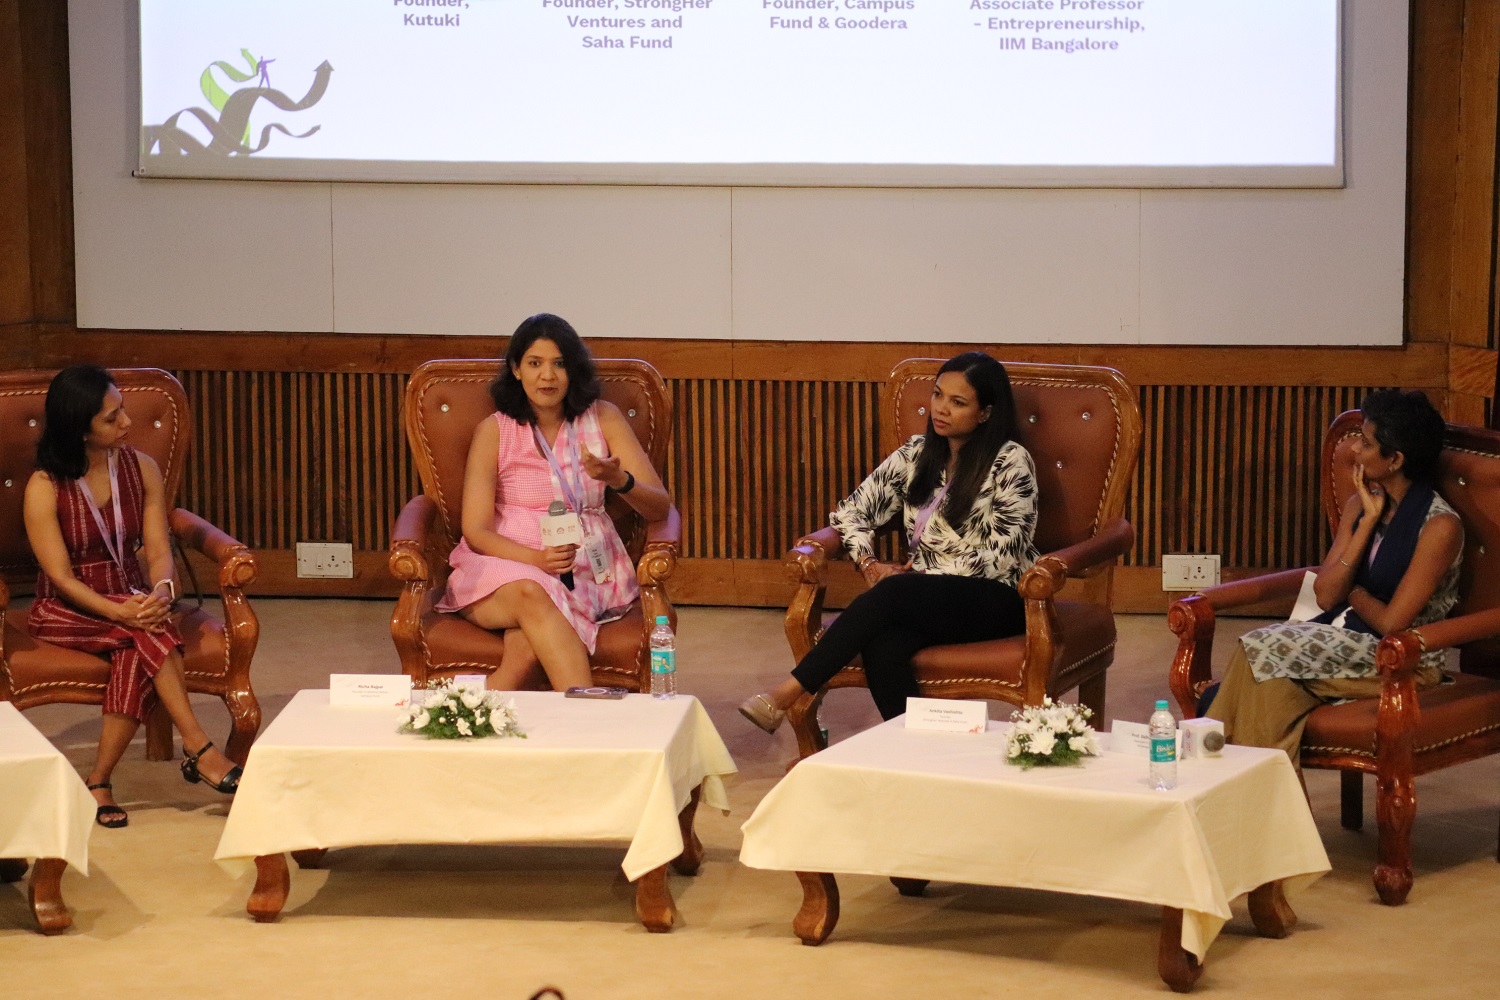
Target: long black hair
x,y
74,398
991,389
583,382
1406,422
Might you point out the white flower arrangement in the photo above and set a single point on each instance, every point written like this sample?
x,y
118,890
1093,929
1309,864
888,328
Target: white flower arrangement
x,y
448,711
1051,733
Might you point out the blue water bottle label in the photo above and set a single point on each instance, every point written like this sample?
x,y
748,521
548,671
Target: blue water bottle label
x,y
1163,751
663,661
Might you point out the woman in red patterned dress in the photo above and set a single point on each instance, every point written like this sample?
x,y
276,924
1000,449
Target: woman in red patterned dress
x,y
91,504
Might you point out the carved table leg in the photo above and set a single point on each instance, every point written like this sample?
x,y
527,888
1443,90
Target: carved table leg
x,y
272,883
45,896
820,907
1177,967
909,886
653,901
310,858
12,869
688,862
1270,912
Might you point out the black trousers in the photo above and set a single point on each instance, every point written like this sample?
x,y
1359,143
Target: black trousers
x,y
887,624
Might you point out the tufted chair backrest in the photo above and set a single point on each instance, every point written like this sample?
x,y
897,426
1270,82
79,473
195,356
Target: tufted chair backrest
x,y
1469,479
161,427
446,400
1082,426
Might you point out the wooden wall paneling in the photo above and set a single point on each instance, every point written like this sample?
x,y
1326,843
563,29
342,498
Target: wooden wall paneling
x,y
1475,193
1437,29
16,304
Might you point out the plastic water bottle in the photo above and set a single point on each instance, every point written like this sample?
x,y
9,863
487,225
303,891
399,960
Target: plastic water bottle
x,y
663,660
1163,728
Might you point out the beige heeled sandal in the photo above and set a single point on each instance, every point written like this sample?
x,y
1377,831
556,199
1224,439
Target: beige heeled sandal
x,y
762,711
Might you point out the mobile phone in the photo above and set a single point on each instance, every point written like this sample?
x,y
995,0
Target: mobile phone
x,y
612,693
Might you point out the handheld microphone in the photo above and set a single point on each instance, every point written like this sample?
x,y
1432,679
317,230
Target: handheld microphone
x,y
559,518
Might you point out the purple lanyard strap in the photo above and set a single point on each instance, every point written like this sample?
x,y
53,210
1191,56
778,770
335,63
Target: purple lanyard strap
x,y
116,546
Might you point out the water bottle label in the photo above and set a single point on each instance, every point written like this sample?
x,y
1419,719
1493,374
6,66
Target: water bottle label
x,y
1163,750
663,661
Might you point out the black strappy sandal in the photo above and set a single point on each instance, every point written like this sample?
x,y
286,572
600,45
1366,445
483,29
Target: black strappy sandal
x,y
228,785
109,817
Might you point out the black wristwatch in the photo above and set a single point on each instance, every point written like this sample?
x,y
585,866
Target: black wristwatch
x,y
629,483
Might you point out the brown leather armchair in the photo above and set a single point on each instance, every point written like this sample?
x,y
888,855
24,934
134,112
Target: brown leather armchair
x,y
1082,426
217,656
1402,733
445,400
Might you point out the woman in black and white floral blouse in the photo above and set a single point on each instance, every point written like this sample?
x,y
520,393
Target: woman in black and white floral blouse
x,y
966,491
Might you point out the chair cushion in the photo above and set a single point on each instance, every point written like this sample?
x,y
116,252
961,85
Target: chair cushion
x,y
454,642
1467,709
1088,632
41,673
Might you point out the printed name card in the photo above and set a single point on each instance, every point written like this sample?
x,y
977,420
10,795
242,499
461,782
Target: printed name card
x,y
940,715
470,680
369,690
1133,738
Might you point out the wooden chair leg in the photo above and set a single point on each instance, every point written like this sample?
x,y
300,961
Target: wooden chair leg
x,y
1178,968
803,718
159,735
691,858
1395,809
1091,696
1352,799
819,914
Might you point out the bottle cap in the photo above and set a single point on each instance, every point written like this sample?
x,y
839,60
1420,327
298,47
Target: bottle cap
x,y
662,620
1161,703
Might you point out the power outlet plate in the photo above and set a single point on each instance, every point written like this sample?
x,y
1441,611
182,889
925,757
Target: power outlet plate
x,y
325,560
1189,572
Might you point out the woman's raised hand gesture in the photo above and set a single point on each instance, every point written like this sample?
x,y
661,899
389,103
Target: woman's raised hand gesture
x,y
606,470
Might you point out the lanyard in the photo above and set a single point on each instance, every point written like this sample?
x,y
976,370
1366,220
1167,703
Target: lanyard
x,y
573,493
924,514
116,546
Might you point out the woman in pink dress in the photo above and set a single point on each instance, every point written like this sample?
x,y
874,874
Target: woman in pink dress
x,y
92,503
551,440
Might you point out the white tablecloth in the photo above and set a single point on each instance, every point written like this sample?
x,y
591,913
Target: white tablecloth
x,y
589,770
946,806
45,810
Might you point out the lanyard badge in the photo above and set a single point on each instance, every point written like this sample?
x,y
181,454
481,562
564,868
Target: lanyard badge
x,y
574,494
116,545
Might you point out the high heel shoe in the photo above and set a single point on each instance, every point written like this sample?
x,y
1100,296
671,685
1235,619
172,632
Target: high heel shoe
x,y
228,785
762,711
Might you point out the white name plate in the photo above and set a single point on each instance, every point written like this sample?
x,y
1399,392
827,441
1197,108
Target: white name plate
x,y
470,680
941,715
1133,738
369,690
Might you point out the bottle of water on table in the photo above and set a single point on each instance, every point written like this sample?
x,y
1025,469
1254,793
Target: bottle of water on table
x,y
1163,728
663,659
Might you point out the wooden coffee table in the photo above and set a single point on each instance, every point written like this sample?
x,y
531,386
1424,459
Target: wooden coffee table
x,y
48,815
1233,826
589,771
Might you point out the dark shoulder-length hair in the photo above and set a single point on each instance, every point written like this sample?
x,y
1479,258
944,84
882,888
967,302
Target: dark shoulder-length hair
x,y
991,389
583,382
74,399
1406,422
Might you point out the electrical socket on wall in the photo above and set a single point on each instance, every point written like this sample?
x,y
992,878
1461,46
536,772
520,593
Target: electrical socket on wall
x,y
1189,572
325,559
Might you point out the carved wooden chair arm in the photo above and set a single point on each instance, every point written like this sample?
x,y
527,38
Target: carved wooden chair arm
x,y
236,565
807,560
1048,575
1193,619
1398,653
409,539
659,560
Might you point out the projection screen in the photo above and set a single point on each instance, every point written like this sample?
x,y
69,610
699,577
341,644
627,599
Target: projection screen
x,y
916,93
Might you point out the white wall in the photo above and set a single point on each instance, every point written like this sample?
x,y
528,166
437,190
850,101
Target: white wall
x,y
1031,266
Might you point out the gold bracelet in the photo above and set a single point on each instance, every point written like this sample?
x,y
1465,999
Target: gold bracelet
x,y
1346,565
864,563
